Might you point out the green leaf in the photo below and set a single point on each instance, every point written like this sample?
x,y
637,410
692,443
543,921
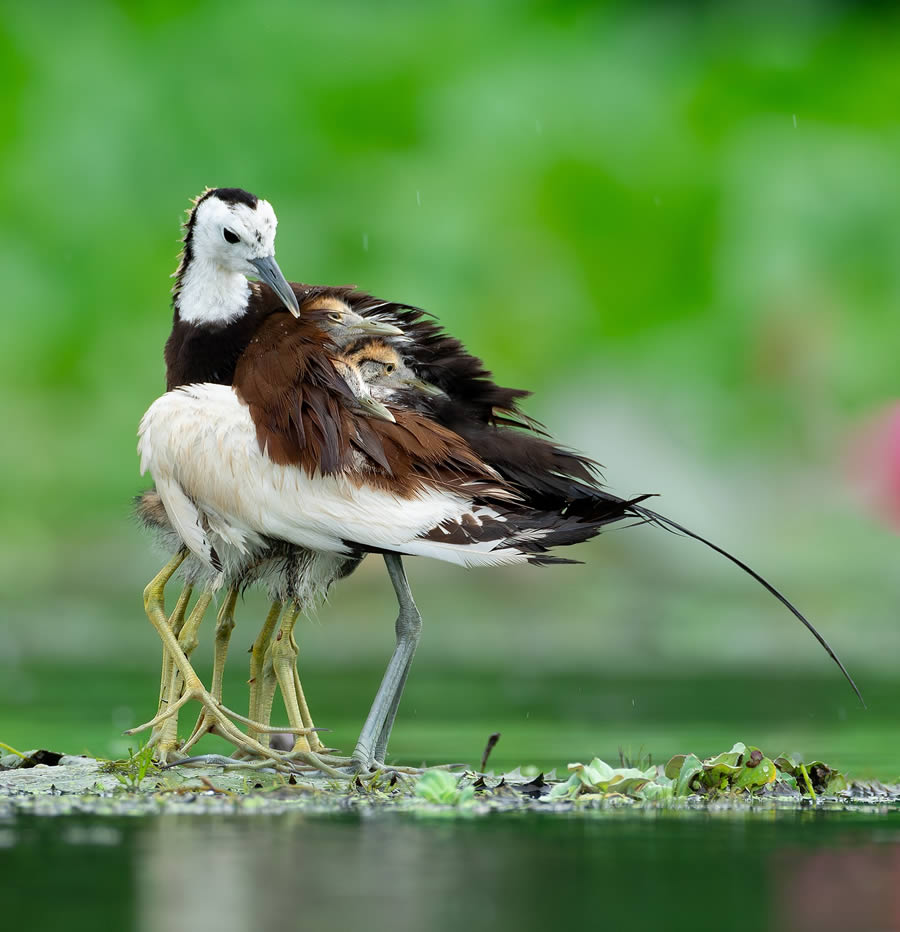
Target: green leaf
x,y
725,764
753,777
567,790
673,767
691,767
599,778
440,787
788,763
660,789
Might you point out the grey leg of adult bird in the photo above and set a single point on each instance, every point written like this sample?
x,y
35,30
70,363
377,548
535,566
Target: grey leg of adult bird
x,y
388,727
373,739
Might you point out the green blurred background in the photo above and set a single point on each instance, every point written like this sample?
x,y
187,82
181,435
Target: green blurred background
x,y
678,226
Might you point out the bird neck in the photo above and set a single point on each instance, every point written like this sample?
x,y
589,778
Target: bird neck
x,y
206,294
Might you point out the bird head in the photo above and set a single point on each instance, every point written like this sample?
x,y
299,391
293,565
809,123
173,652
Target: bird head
x,y
233,230
342,324
382,367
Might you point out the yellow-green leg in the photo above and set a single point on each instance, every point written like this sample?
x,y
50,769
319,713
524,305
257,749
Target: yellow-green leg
x,y
187,640
165,736
257,659
314,743
193,688
154,606
284,666
214,715
264,679
176,623
224,627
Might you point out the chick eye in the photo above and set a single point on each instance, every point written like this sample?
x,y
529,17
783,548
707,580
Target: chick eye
x,y
335,317
389,368
230,236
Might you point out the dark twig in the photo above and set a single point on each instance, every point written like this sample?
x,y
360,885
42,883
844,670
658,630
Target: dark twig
x,y
491,744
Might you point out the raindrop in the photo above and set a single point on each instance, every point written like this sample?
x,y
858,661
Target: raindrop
x,y
418,198
538,127
365,242
795,121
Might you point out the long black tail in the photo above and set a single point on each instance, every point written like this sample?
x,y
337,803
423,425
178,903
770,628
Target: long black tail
x,y
669,525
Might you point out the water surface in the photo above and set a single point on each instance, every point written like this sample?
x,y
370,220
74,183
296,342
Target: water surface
x,y
622,870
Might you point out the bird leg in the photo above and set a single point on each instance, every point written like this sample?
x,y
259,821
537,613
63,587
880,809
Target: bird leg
x,y
176,623
373,739
165,731
284,652
185,686
280,666
305,716
224,627
154,605
165,736
212,715
257,658
265,679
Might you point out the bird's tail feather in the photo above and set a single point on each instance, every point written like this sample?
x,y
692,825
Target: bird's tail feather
x,y
668,524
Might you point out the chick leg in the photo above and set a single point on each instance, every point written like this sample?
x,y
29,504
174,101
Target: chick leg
x,y
154,606
167,728
284,666
176,623
262,683
257,685
224,628
305,716
165,736
192,688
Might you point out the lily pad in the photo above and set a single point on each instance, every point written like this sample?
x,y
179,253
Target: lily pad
x,y
691,768
599,778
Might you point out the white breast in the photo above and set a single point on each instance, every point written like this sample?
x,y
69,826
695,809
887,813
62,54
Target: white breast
x,y
219,489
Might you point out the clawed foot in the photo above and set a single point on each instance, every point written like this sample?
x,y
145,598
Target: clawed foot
x,y
218,719
297,763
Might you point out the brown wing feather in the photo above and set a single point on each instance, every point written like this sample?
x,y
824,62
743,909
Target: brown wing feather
x,y
297,401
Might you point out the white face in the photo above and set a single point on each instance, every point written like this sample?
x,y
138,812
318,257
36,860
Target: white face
x,y
231,235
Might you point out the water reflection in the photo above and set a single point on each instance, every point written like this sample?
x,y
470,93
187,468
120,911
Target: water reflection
x,y
840,890
691,870
239,875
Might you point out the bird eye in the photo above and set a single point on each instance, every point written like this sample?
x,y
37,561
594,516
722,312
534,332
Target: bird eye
x,y
335,317
389,368
230,236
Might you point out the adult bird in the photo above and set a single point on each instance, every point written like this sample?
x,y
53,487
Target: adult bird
x,y
311,577
290,574
271,450
296,579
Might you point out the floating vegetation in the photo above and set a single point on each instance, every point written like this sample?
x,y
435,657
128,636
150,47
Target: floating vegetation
x,y
743,779
443,788
743,771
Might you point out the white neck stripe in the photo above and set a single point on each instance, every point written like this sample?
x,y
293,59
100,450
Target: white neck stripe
x,y
210,294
